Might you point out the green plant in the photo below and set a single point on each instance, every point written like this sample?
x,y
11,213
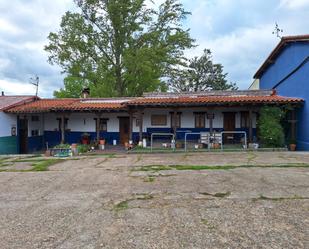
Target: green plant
x,y
292,141
62,146
271,131
83,148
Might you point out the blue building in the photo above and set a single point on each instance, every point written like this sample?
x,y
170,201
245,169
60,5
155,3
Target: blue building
x,y
286,70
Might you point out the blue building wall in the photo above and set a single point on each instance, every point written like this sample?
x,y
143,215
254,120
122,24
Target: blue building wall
x,y
297,85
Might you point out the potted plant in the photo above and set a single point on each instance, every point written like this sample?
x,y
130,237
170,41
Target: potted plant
x,y
85,138
102,141
292,144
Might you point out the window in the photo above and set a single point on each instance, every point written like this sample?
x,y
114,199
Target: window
x,y
35,118
103,124
199,120
35,133
158,120
244,119
178,120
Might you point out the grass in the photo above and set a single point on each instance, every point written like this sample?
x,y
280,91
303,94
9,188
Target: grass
x,y
218,195
206,223
295,197
123,205
37,164
149,179
156,168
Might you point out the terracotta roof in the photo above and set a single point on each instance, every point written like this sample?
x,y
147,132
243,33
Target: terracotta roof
x,y
48,105
213,100
273,55
155,99
11,101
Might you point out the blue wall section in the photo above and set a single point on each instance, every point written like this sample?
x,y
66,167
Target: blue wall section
x,y
35,144
297,85
53,138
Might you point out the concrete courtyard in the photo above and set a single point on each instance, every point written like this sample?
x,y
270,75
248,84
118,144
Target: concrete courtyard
x,y
251,200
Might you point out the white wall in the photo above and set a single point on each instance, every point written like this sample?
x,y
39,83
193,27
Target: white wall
x,y
84,122
7,121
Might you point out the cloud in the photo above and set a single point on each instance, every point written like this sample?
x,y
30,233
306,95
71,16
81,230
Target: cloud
x,y
294,4
238,32
24,27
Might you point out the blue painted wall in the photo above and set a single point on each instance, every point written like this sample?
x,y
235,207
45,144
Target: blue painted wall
x,y
53,138
297,85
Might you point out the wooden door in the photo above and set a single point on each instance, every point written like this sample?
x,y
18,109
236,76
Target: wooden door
x,y
229,125
124,128
23,136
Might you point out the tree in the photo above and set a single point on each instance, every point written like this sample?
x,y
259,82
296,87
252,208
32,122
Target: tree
x,y
119,47
271,132
200,74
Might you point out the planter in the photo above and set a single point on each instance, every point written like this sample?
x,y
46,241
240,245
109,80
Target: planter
x,y
292,147
216,146
85,140
102,142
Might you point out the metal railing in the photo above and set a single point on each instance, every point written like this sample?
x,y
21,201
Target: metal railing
x,y
162,134
234,132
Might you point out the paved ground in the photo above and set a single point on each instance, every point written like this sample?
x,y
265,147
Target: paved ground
x,y
107,202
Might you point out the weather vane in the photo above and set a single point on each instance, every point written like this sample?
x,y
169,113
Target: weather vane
x,y
277,31
35,81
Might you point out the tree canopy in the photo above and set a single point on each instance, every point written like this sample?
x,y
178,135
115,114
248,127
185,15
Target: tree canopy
x,y
200,74
119,47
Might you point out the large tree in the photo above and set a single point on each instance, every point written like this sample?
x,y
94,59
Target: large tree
x,y
119,47
200,74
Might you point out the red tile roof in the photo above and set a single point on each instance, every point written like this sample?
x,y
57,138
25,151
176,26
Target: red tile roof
x,y
11,101
156,99
273,55
48,105
214,100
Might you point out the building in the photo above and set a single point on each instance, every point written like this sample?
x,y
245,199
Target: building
x,y
43,122
8,123
287,71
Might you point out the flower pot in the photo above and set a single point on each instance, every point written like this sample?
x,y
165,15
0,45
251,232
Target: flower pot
x,y
292,147
102,141
85,140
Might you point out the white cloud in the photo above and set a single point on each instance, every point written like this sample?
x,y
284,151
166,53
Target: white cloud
x,y
238,32
294,4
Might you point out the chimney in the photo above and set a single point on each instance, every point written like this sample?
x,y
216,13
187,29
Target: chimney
x,y
2,93
85,93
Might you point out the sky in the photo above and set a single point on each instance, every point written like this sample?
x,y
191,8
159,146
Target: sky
x,y
238,32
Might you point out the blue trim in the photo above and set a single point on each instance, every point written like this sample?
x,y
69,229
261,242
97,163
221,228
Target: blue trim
x,y
35,144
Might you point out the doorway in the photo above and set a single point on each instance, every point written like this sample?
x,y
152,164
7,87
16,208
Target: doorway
x,y
124,127
23,136
228,125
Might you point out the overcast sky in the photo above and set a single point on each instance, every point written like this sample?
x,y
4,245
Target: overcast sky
x,y
238,32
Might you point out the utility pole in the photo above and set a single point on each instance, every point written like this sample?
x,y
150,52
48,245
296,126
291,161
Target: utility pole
x,y
35,81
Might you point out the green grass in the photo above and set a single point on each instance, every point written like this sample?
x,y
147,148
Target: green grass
x,y
149,179
44,164
295,197
37,164
218,195
156,168
123,205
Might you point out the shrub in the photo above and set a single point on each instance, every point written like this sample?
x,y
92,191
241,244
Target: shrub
x,y
83,148
62,146
270,129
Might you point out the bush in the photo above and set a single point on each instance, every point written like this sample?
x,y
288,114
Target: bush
x,y
83,148
62,146
270,129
